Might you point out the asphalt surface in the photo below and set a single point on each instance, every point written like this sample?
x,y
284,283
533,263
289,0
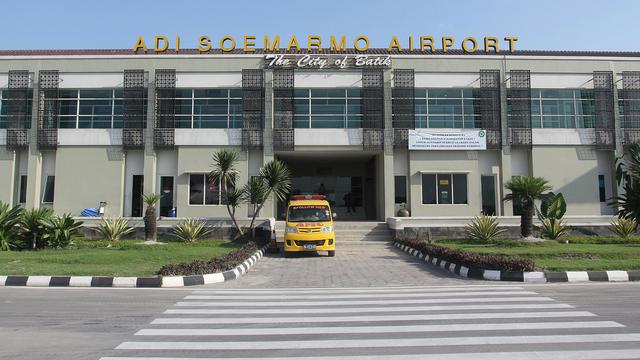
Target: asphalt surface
x,y
369,315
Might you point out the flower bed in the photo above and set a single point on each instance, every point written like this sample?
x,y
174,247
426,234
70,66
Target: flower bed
x,y
214,265
470,260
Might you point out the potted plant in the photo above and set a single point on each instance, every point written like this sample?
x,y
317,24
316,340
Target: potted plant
x,y
403,211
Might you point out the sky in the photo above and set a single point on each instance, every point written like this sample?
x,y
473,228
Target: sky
x,y
538,24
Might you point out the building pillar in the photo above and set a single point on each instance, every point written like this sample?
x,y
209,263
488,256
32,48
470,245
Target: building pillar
x,y
386,175
505,154
34,157
270,207
150,169
617,189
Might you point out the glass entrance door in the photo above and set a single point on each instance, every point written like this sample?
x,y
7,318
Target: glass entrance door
x,y
166,190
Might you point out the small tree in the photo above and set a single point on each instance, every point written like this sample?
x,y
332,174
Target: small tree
x,y
224,172
276,179
151,217
525,190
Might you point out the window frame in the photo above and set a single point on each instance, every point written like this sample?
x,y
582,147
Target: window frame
x,y
346,115
450,173
204,196
46,186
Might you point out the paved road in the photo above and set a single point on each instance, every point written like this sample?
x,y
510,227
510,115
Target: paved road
x,y
455,322
357,264
363,303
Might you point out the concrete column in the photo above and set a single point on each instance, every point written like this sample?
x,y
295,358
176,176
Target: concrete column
x,y
9,175
386,203
150,171
505,153
34,158
269,209
619,136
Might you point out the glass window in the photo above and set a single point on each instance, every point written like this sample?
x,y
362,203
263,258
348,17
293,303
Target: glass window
x,y
444,189
429,189
561,108
400,189
447,108
459,188
203,191
601,189
90,108
49,186
22,195
196,189
327,108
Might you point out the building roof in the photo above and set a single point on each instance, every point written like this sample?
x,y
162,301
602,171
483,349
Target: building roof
x,y
373,51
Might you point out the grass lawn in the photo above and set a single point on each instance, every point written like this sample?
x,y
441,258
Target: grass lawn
x,y
125,258
581,253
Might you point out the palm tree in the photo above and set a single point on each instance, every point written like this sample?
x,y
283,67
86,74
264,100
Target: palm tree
x,y
151,217
224,172
525,190
276,178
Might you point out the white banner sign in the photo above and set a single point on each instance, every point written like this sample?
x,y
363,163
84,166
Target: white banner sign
x,y
447,140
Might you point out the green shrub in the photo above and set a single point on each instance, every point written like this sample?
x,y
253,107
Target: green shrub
x,y
484,228
553,229
31,227
113,229
61,230
9,220
190,230
624,227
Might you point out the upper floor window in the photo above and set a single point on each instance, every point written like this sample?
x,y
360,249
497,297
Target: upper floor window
x,y
4,108
209,108
447,108
327,108
90,108
561,108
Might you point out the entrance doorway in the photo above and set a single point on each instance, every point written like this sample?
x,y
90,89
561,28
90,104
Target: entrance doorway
x,y
136,195
348,181
166,190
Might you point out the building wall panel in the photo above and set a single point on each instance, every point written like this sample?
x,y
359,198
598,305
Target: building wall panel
x,y
87,175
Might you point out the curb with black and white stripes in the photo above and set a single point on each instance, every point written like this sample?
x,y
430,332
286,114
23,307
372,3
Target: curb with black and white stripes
x,y
133,282
524,276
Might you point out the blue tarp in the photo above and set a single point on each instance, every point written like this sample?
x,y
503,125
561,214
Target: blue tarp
x,y
90,212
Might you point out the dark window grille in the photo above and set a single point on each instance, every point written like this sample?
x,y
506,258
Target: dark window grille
x,y
520,107
490,107
631,106
603,101
283,110
133,110
48,106
17,103
403,105
165,106
252,108
373,109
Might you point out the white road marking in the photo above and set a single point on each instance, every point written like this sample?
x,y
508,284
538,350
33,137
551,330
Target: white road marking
x,y
338,310
520,355
354,296
258,304
376,343
372,318
380,329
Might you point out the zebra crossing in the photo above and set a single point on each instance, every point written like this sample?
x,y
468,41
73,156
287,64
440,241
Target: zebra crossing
x,y
447,322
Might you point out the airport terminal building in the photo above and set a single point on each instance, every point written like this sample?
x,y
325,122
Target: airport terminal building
x,y
439,132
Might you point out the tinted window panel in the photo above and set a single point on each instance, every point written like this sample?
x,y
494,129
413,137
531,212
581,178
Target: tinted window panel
x,y
428,188
459,188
